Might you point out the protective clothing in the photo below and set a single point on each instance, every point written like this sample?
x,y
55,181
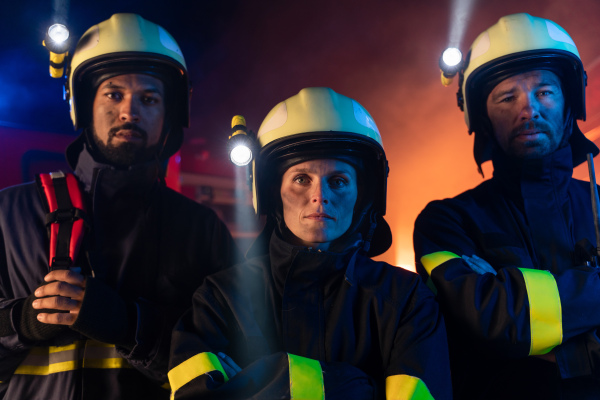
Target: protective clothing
x,y
525,224
337,325
149,248
304,323
126,44
320,123
515,44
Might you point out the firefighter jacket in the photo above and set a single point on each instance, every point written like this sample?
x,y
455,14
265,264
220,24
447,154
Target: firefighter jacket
x,y
148,245
307,324
508,262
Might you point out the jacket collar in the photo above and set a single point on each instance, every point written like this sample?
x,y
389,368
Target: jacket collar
x,y
303,265
534,178
137,180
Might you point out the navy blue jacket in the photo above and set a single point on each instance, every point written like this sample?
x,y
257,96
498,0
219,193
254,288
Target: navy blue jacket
x,y
533,295
363,325
147,243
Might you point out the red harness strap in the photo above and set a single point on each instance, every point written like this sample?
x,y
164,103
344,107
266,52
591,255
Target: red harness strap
x,y
66,217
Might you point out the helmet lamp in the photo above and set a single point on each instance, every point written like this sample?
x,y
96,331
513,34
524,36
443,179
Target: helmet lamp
x,y
240,145
57,42
58,33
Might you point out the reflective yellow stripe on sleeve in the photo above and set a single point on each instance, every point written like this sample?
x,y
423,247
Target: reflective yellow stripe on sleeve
x,y
306,379
434,260
80,354
545,314
405,387
192,368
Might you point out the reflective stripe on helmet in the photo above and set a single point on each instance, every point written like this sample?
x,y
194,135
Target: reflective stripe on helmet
x,y
405,387
306,378
545,313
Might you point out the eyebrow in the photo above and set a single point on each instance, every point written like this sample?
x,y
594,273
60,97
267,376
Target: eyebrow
x,y
307,171
550,82
111,85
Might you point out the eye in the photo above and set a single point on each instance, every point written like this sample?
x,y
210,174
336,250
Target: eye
x,y
507,99
150,99
543,93
114,95
301,179
338,182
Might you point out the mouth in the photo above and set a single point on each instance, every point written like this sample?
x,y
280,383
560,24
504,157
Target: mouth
x,y
128,135
320,217
529,134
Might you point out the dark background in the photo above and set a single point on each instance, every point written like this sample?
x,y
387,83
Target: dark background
x,y
246,56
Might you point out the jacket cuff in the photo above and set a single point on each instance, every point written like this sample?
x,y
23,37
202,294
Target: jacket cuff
x,y
144,329
577,357
104,315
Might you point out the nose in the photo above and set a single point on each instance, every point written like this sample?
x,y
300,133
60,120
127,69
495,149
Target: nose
x,y
319,193
530,108
129,111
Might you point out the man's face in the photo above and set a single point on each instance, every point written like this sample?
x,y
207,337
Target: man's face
x,y
527,114
128,118
318,200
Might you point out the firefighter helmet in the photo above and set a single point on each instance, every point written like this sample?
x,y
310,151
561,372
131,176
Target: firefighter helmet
x,y
124,44
320,123
515,44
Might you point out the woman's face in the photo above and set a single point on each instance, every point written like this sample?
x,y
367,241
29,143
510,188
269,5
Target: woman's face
x,y
318,200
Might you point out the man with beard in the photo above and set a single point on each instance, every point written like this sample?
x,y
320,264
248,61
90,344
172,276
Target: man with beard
x,y
97,324
511,260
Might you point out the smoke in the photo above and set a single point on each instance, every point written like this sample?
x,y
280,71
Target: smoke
x,y
460,14
61,10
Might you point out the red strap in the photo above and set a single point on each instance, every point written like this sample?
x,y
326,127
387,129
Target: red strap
x,y
76,198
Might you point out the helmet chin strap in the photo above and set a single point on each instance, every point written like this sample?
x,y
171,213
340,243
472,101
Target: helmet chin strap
x,y
371,231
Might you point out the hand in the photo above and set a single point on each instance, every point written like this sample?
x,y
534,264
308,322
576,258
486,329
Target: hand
x,y
64,293
479,265
229,366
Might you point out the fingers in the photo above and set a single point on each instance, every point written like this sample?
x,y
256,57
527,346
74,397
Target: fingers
x,y
56,303
64,293
58,318
224,357
71,276
60,288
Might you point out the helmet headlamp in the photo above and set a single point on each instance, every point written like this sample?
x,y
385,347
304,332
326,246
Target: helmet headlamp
x,y
450,63
240,145
57,42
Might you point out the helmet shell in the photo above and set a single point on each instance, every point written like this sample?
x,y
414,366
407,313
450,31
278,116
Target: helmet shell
x,y
518,43
317,123
131,44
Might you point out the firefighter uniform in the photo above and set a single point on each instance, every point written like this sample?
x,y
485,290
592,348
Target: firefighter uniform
x,y
525,223
511,260
148,243
146,250
353,325
305,323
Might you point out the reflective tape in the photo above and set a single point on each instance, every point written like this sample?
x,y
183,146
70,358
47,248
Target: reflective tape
x,y
405,387
306,379
192,368
545,313
80,354
434,260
